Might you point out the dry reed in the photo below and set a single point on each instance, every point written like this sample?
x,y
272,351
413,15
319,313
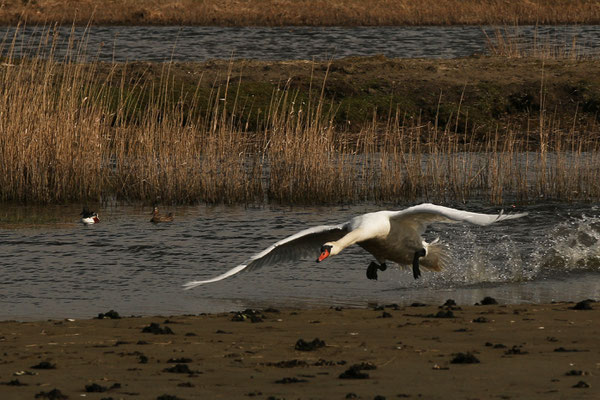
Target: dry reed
x,y
511,42
301,12
60,143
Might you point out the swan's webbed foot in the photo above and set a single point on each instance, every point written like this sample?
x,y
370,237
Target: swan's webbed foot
x,y
416,270
372,269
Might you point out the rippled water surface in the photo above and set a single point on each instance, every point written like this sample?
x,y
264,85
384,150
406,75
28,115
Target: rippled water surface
x,y
150,43
53,267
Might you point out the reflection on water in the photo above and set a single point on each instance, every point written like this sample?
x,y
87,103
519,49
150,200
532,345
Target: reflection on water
x,y
54,267
193,43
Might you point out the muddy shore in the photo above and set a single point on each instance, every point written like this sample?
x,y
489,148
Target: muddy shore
x,y
471,352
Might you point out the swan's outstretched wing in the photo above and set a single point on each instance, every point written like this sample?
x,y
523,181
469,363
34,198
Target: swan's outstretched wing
x,y
302,244
419,217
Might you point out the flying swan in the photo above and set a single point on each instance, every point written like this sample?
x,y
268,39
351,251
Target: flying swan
x,y
387,235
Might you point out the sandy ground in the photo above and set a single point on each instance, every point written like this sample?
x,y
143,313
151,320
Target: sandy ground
x,y
548,351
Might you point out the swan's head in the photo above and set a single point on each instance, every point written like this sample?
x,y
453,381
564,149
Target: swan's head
x,y
328,249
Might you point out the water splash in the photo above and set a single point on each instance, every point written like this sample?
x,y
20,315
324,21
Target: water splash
x,y
489,262
571,246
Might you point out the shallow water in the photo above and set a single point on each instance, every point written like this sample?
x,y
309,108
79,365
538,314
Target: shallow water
x,y
193,43
53,267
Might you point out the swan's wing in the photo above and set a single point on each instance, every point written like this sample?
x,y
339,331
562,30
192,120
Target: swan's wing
x,y
419,217
302,244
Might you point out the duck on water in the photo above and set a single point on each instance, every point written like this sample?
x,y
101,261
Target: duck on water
x,y
89,217
158,218
388,235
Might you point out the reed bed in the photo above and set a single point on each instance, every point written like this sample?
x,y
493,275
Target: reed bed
x,y
511,42
301,12
60,142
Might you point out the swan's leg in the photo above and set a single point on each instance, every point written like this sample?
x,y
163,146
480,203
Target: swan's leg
x,y
372,269
416,270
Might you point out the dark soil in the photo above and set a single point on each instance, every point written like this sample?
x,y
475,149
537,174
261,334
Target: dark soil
x,y
112,314
355,371
44,365
584,305
157,330
488,301
464,358
302,345
179,369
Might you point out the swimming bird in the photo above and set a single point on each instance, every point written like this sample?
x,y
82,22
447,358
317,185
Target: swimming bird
x,y
89,217
156,217
388,235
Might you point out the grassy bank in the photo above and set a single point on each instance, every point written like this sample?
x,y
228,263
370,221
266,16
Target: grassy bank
x,y
369,129
301,12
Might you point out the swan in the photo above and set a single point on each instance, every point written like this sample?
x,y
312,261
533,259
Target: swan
x,y
387,235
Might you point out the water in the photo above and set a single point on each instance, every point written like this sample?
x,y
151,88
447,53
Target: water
x,y
53,267
188,43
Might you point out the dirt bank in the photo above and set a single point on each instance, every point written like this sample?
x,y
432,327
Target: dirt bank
x,y
467,352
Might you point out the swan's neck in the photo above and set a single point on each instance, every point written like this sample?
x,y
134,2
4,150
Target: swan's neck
x,y
352,237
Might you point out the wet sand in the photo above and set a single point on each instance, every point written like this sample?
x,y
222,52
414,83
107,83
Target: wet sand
x,y
432,352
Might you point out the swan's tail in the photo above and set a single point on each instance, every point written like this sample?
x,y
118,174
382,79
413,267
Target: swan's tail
x,y
436,258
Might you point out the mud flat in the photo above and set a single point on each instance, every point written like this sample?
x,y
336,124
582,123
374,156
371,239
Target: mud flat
x,y
421,351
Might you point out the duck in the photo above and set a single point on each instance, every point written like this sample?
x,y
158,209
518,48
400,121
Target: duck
x,y
387,235
89,217
156,217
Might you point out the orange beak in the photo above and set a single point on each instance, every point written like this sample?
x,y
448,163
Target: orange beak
x,y
323,255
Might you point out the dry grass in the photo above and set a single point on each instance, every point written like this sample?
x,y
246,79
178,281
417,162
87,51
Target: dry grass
x,y
511,42
301,12
59,143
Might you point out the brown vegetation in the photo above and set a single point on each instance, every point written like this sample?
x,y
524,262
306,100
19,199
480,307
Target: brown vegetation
x,y
510,43
300,12
69,136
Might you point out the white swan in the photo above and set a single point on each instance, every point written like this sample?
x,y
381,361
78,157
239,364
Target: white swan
x,y
387,235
